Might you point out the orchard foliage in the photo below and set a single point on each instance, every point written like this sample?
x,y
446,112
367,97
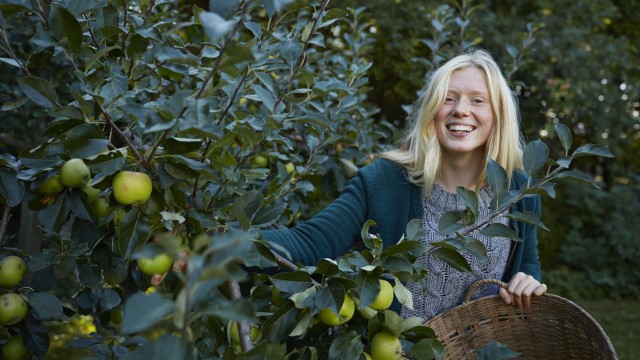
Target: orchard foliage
x,y
245,115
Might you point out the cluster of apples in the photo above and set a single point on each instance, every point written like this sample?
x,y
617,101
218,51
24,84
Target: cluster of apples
x,y
128,187
13,307
384,345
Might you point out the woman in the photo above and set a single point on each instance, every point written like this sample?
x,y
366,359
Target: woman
x,y
466,115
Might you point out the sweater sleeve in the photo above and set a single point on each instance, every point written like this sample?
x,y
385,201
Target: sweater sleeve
x,y
530,260
332,231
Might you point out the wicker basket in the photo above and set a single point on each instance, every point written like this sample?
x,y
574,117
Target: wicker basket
x,y
551,328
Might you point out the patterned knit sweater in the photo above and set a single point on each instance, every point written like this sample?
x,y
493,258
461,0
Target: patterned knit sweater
x,y
445,287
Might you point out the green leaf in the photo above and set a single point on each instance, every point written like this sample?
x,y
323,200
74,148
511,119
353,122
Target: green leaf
x,y
64,24
577,175
428,349
404,295
109,298
215,26
415,230
11,189
495,351
36,337
413,247
99,54
592,149
346,346
273,6
565,136
470,198
142,311
46,306
265,96
167,347
292,282
475,247
224,8
38,90
452,258
497,179
449,223
368,287
108,163
132,232
369,241
77,8
526,217
500,230
246,206
269,214
333,14
290,50
535,156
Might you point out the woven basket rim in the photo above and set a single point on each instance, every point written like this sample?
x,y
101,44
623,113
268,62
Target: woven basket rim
x,y
495,301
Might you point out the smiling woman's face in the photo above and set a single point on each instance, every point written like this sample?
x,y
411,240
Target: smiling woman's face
x,y
464,122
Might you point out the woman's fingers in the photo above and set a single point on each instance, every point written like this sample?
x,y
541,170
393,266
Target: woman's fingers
x,y
520,289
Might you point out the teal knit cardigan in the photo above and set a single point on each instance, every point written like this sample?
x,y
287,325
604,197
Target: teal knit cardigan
x,y
382,192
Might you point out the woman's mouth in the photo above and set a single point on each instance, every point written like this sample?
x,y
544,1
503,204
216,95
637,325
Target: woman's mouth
x,y
460,128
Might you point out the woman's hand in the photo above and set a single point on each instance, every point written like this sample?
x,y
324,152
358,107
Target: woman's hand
x,y
520,289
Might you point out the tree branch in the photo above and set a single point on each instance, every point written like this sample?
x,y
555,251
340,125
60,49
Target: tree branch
x,y
244,331
6,213
302,57
122,135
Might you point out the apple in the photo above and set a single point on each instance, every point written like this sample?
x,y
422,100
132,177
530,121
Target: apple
x,y
75,173
384,298
290,167
12,270
158,264
345,314
100,208
260,161
131,187
51,186
367,356
13,309
92,193
385,346
14,348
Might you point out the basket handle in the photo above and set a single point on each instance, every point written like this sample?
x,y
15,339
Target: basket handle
x,y
481,282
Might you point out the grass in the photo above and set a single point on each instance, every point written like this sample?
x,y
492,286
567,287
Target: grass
x,y
620,320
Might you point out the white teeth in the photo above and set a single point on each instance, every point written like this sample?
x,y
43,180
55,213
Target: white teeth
x,y
460,127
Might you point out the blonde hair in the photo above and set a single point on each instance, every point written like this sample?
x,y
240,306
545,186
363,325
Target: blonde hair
x,y
419,150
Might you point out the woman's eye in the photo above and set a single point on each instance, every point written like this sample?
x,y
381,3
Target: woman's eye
x,y
449,99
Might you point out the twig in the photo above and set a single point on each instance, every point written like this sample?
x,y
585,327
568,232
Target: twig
x,y
11,53
6,213
12,141
244,331
302,57
497,214
228,38
122,135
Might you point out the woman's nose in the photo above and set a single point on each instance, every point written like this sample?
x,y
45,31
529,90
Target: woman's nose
x,y
461,109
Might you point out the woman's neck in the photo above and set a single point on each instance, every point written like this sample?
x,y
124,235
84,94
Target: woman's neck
x,y
461,171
